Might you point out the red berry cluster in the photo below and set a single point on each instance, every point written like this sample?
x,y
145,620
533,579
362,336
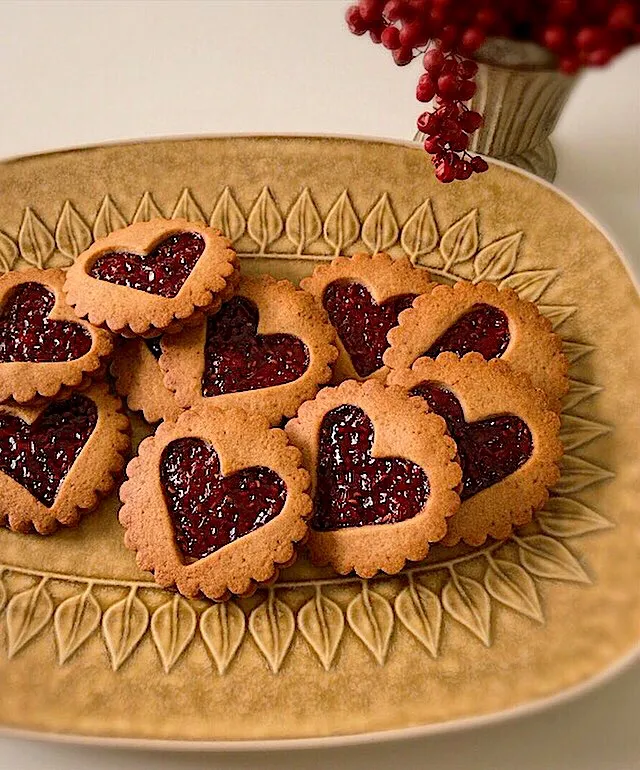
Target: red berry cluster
x,y
579,32
588,33
449,80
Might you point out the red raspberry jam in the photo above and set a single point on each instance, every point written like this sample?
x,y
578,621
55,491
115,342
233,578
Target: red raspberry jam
x,y
163,271
484,329
237,358
362,324
208,510
489,450
354,488
39,456
27,334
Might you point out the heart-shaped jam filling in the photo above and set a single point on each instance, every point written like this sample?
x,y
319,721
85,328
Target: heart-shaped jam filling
x,y
484,329
208,510
39,456
27,334
162,271
237,358
363,324
489,450
353,487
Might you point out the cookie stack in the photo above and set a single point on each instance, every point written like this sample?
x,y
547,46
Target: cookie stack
x,y
440,424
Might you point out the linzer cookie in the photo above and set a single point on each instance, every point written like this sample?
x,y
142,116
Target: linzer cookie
x,y
215,502
384,476
139,378
58,460
44,348
480,318
268,349
507,437
152,277
364,296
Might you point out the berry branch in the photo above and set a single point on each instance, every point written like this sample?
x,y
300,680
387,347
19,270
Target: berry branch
x,y
447,33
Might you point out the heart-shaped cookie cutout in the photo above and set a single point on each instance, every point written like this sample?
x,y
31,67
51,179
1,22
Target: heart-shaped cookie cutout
x,y
163,271
208,510
480,318
237,358
46,351
40,455
490,449
215,502
27,334
384,476
507,438
484,329
364,295
353,487
267,350
362,323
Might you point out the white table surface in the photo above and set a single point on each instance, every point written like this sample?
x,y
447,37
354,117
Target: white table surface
x,y
76,73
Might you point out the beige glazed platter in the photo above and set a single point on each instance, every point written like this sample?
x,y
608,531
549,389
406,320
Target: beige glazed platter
x,y
91,648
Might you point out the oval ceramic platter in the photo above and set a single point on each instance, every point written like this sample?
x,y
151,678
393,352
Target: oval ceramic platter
x,y
89,646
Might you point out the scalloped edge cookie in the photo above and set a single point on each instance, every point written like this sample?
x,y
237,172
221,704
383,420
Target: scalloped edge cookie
x,y
140,380
403,427
533,349
92,476
25,382
130,312
383,276
282,309
241,440
484,389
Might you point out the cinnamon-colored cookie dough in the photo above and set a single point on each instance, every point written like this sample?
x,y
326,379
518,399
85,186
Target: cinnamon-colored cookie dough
x,y
507,437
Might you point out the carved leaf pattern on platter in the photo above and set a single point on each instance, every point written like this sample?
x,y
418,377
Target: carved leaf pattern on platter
x,y
123,626
35,241
227,217
530,284
545,557
468,602
187,208
222,627
8,253
579,392
557,314
173,626
512,586
108,219
380,228
28,612
147,209
460,242
576,474
321,622
577,431
73,235
272,626
563,517
498,259
574,351
342,225
420,611
371,619
265,222
304,225
74,621
420,232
